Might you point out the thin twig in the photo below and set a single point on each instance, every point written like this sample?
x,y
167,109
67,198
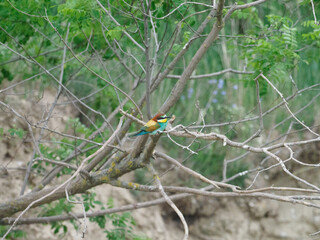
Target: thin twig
x,y
286,104
170,202
208,75
28,14
314,13
118,24
193,173
84,223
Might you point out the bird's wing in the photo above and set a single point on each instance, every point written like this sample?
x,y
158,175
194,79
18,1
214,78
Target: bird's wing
x,y
151,126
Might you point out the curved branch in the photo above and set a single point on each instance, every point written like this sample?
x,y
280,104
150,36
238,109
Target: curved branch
x,y
243,6
228,70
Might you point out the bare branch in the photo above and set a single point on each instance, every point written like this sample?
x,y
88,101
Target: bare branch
x,y
118,24
30,15
193,173
228,70
237,7
314,13
170,202
184,3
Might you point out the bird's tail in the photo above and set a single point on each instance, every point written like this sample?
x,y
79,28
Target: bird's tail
x,y
141,132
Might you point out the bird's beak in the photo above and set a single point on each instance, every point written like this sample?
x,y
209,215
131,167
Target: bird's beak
x,y
169,116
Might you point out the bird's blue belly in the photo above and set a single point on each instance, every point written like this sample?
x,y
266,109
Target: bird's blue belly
x,y
161,128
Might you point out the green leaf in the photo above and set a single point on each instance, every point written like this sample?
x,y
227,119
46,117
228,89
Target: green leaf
x,y
115,33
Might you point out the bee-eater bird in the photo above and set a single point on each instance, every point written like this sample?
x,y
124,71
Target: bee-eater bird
x,y
156,124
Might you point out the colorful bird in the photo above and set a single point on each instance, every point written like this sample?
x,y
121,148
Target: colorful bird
x,y
156,124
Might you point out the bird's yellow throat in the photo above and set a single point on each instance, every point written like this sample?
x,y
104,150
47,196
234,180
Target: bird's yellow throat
x,y
163,120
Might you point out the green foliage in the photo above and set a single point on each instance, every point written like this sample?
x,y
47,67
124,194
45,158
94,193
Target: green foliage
x,y
289,36
57,208
76,9
77,127
89,201
122,224
6,74
14,234
275,56
57,227
115,33
250,14
65,146
313,35
177,47
13,132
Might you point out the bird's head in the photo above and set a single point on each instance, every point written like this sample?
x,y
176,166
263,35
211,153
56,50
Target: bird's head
x,y
161,118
